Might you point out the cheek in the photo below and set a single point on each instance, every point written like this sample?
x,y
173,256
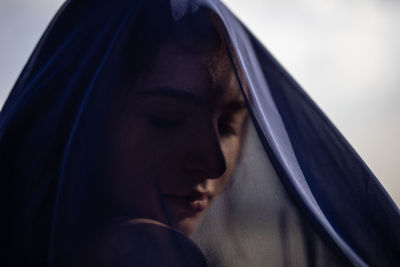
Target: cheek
x,y
231,150
130,178
140,150
141,159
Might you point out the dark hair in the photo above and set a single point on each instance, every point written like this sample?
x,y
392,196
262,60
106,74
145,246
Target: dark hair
x,y
194,33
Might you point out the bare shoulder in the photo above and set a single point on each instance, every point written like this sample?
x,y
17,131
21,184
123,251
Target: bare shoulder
x,y
142,242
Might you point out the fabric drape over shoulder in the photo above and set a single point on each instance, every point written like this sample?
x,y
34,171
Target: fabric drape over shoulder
x,y
128,114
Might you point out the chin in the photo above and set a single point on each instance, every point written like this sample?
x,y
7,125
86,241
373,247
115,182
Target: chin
x,y
187,225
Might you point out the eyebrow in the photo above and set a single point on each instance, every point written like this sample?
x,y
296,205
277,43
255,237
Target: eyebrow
x,y
166,91
172,92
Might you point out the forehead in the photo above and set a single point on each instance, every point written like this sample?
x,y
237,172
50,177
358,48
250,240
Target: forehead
x,y
206,74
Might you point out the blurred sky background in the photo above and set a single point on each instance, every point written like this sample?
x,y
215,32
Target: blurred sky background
x,y
344,53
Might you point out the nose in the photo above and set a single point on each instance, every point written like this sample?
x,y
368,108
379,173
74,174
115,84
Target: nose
x,y
205,158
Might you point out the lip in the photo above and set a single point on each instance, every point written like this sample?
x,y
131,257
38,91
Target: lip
x,y
189,204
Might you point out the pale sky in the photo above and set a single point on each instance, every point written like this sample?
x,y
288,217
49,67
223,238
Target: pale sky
x,y
345,54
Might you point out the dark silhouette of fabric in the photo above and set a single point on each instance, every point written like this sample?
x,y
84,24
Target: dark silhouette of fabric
x,y
169,111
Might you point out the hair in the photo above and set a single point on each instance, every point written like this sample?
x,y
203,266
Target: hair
x,y
194,34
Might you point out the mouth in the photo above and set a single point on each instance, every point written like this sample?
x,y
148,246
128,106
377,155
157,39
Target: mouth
x,y
189,204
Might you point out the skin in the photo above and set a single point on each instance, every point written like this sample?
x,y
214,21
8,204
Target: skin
x,y
176,139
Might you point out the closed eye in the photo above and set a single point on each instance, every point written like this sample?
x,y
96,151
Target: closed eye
x,y
228,123
164,122
226,127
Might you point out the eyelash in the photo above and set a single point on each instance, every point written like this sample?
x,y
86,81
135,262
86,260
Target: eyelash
x,y
164,123
225,127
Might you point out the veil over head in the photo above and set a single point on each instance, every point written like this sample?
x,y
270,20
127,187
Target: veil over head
x,y
163,133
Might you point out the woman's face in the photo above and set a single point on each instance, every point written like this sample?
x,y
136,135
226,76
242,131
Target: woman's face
x,y
177,139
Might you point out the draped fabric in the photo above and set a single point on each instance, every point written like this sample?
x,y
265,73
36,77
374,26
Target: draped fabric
x,y
163,133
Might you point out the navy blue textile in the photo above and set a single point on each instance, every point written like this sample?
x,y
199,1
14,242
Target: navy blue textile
x,y
60,96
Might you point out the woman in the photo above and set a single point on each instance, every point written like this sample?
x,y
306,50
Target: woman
x,y
173,137
104,163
